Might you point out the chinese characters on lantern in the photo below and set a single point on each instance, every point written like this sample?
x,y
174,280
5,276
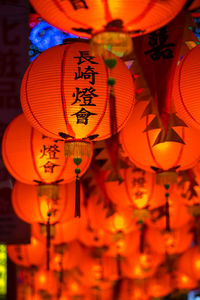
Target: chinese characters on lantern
x,y
160,48
49,152
138,183
85,97
77,4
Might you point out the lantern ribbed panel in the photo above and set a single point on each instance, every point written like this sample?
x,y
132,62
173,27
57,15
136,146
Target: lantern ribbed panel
x,y
186,89
31,208
28,255
138,190
50,108
138,145
137,15
25,154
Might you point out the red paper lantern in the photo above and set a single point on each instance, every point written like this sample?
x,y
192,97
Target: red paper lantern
x,y
31,157
39,209
174,242
72,88
138,190
138,145
187,88
28,255
108,22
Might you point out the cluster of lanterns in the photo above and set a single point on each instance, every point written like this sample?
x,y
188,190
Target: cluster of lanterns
x,y
113,204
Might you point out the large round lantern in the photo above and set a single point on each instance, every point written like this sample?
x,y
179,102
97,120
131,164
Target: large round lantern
x,y
40,209
32,157
138,190
28,255
186,88
139,146
72,95
108,22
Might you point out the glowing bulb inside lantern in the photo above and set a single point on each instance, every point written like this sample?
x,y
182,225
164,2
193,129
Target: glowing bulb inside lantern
x,y
197,263
42,278
74,287
184,279
96,270
119,223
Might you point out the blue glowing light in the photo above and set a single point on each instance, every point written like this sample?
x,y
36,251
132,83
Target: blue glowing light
x,y
43,36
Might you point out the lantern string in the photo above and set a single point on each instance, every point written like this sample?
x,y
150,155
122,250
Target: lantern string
x,y
77,202
141,228
167,208
60,274
119,270
48,241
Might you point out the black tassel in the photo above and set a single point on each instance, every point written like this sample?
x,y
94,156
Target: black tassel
x,y
167,216
48,242
142,240
77,203
119,271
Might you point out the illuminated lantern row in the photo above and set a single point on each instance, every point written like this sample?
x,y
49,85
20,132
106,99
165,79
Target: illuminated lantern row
x,y
108,23
168,155
186,88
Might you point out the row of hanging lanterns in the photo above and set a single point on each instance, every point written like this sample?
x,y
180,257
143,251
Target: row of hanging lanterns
x,y
133,236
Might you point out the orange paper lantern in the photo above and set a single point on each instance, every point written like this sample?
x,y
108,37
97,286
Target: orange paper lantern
x,y
31,157
72,87
138,145
174,242
138,190
189,263
186,88
39,209
87,17
28,255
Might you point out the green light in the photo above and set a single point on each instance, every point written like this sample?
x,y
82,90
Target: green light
x,y
3,270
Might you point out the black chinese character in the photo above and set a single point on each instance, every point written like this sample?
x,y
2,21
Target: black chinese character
x,y
88,74
50,151
85,56
86,94
138,182
159,47
82,116
49,167
77,4
139,194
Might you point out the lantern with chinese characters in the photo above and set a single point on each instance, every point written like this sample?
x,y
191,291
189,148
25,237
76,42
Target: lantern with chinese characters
x,y
72,87
28,255
41,209
116,21
138,190
186,88
138,144
34,158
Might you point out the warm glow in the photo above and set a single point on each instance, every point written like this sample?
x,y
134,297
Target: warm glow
x,y
119,223
144,260
120,245
42,278
197,263
137,271
57,259
44,207
34,242
184,279
74,287
97,271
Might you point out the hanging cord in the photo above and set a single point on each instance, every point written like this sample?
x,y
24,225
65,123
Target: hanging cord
x,y
48,241
77,161
60,274
141,228
167,227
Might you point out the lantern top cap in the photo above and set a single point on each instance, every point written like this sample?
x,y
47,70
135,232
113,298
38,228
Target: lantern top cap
x,y
75,40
